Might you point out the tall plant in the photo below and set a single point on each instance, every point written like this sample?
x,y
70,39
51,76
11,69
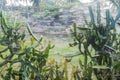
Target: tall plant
x,y
20,60
96,42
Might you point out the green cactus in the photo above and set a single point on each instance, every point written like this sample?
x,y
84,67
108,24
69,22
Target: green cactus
x,y
96,40
29,60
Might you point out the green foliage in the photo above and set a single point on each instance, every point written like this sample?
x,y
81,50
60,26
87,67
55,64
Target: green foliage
x,y
97,40
18,60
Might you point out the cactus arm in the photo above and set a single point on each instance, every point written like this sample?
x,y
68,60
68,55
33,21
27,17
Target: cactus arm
x,y
91,15
98,13
107,17
112,23
31,33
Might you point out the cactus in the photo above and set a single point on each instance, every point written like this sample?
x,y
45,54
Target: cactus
x,y
96,40
29,60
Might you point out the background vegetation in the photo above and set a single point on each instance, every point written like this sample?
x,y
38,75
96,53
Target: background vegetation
x,y
93,52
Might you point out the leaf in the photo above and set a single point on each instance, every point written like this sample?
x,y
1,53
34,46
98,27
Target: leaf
x,y
100,67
